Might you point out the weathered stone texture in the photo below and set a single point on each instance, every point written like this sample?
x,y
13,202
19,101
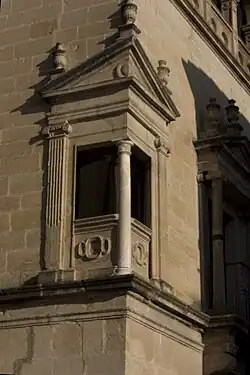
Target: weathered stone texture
x,y
197,74
28,31
60,339
151,352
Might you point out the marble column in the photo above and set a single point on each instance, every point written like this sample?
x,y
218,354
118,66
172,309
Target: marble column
x,y
219,287
124,248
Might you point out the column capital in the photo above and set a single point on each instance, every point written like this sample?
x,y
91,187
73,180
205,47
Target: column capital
x,y
57,129
201,177
124,146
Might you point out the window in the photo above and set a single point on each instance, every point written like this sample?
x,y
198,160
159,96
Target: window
x,y
97,183
140,187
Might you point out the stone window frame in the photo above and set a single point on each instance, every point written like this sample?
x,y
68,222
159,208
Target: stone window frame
x,y
60,248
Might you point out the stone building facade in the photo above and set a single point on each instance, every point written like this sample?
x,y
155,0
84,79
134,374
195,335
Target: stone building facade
x,y
124,187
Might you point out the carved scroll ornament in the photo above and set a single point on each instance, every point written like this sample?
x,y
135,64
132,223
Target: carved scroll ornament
x,y
140,254
57,129
94,248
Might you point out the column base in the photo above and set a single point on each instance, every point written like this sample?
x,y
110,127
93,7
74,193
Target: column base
x,y
55,276
123,271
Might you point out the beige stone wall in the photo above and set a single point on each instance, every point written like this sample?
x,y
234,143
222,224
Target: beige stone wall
x,y
157,343
29,29
119,335
150,352
94,347
197,74
63,337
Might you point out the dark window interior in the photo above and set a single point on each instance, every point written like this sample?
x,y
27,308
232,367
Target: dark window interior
x,y
217,3
140,188
97,183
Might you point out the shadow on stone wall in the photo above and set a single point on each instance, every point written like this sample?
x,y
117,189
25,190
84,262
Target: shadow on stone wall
x,y
203,88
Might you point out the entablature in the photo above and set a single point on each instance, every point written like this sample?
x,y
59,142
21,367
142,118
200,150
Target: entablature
x,y
222,151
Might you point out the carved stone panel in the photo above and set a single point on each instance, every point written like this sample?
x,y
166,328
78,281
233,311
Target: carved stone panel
x,y
141,238
95,244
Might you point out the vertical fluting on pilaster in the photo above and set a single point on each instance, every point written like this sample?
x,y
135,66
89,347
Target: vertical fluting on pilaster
x,y
58,153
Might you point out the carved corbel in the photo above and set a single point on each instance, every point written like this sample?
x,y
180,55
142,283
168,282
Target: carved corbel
x,y
162,146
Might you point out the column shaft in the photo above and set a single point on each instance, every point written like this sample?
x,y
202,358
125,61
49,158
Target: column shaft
x,y
125,252
219,288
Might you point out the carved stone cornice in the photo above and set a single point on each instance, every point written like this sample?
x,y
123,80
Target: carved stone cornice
x,y
228,320
120,73
110,286
57,129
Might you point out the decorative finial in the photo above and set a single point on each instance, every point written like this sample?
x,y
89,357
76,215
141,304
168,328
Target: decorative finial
x,y
213,118
232,111
163,72
60,57
129,11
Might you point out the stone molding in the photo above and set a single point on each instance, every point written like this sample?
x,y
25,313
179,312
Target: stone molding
x,y
129,284
126,73
222,151
226,163
198,17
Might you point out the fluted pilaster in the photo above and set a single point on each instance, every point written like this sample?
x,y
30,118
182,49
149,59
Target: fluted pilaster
x,y
56,197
